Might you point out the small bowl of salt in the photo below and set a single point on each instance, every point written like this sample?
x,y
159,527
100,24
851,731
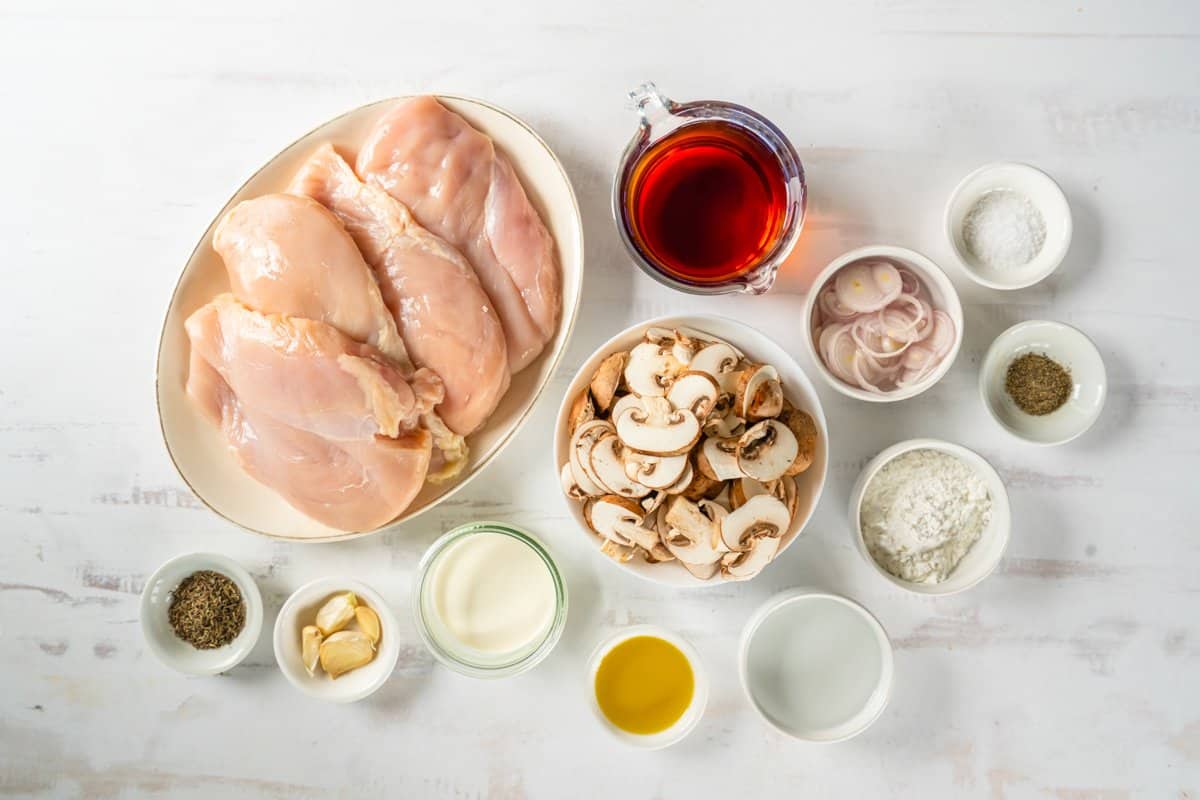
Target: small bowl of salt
x,y
1009,224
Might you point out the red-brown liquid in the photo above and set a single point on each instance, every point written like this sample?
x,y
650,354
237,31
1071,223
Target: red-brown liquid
x,y
707,202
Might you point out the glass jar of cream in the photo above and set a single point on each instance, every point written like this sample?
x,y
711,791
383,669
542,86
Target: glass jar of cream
x,y
489,600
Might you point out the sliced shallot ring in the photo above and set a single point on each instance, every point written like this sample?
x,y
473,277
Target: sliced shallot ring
x,y
887,278
865,347
859,377
841,354
827,302
909,282
856,288
941,338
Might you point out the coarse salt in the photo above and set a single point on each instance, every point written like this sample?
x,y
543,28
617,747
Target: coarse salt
x,y
1004,230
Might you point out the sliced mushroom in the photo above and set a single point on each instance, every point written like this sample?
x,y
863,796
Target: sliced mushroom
x,y
787,491
656,472
761,516
624,403
766,451
804,428
724,427
607,378
694,531
650,505
741,566
695,391
657,428
685,480
608,465
651,369
582,441
582,410
759,393
570,486
720,361
704,572
684,343
618,519
618,552
702,487
656,554
718,459
742,490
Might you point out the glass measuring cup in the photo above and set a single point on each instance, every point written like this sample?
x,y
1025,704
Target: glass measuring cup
x,y
709,196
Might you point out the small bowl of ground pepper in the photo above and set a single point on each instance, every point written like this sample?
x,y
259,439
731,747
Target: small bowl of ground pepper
x,y
1044,382
201,613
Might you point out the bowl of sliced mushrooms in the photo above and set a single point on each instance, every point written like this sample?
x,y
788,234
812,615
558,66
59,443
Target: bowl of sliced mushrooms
x,y
692,450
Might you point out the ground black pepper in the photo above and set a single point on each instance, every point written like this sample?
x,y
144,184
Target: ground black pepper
x,y
1038,384
207,610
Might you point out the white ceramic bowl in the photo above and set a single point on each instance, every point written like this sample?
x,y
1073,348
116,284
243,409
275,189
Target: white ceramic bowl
x,y
178,654
1070,348
1042,191
199,450
776,669
941,291
691,717
301,609
983,557
797,388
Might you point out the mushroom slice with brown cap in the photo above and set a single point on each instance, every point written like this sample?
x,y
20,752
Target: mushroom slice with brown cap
x,y
695,391
618,552
650,369
694,531
804,429
701,487
658,429
783,489
744,565
761,516
582,410
624,403
570,486
685,480
618,519
607,378
580,454
766,451
608,465
718,459
759,393
704,572
650,505
656,472
721,362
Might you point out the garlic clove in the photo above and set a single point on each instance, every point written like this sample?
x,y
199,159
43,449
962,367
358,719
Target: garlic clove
x,y
344,651
336,613
310,647
368,623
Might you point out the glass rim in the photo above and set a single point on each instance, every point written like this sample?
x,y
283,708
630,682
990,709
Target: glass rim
x,y
465,665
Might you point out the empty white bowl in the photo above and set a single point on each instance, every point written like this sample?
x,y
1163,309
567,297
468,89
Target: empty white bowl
x,y
816,666
797,388
173,651
983,557
690,718
1043,192
942,293
1070,348
301,609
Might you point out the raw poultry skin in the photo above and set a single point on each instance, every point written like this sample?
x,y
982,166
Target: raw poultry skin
x,y
308,375
459,187
355,485
288,254
446,320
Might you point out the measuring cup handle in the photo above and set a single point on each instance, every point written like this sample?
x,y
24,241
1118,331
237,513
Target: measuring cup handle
x,y
651,104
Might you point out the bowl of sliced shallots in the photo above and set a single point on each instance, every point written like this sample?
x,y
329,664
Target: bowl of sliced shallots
x,y
691,450
884,323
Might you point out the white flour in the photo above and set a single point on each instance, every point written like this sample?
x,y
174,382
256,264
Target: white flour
x,y
922,512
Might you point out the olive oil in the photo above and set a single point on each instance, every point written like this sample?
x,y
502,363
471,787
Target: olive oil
x,y
644,685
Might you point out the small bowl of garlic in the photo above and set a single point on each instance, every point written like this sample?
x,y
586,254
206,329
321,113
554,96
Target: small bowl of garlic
x,y
336,639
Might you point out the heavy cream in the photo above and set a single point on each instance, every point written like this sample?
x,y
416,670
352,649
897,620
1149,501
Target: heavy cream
x,y
492,594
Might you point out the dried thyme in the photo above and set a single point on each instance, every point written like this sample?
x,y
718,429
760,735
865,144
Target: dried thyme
x,y
1038,384
207,610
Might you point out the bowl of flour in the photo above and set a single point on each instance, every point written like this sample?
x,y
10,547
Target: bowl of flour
x,y
930,516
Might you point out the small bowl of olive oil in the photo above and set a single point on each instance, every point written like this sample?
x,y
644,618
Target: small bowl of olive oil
x,y
647,686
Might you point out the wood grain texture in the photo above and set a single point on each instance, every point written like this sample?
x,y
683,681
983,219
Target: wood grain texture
x,y
1071,673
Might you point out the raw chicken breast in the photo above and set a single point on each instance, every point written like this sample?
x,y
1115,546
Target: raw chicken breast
x,y
459,187
355,485
445,318
289,255
308,375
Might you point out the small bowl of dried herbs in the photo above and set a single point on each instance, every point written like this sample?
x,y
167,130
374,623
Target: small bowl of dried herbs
x,y
1044,382
201,613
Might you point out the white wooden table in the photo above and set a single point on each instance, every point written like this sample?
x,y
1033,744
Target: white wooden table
x,y
1074,672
